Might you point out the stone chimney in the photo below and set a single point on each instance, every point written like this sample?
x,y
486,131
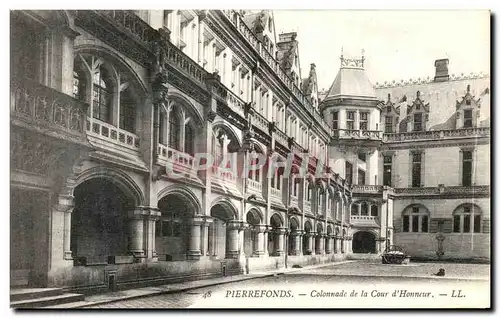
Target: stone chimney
x,y
441,70
287,37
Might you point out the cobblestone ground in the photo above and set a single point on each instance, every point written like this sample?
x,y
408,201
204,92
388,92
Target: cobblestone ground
x,y
304,284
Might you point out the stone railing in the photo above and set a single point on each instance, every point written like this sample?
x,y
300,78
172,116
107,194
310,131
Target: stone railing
x,y
475,132
42,106
453,190
428,79
223,175
244,30
132,23
180,160
112,134
276,193
235,103
254,185
281,137
365,219
358,134
184,63
260,121
367,189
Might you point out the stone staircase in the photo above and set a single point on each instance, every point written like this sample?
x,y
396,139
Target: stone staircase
x,y
41,297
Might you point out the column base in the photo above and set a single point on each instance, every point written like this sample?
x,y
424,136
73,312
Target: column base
x,y
68,255
193,255
232,254
279,253
259,254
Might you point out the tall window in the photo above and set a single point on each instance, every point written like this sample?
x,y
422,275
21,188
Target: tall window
x,y
417,122
387,170
354,209
309,191
467,219
348,172
296,184
363,121
467,118
361,177
79,85
335,120
127,111
350,120
101,96
467,168
173,137
416,219
416,169
189,140
388,124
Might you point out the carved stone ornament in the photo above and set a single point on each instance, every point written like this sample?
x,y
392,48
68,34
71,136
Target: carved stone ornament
x,y
211,116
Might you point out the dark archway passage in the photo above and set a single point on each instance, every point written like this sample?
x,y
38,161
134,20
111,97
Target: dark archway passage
x,y
363,242
99,221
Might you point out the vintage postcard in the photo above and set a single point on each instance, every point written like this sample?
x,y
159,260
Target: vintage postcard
x,y
250,159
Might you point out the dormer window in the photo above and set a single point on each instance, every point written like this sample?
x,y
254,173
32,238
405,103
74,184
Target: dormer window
x,y
467,102
417,121
467,118
389,108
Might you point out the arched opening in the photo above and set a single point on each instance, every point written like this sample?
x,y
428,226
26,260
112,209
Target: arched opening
x,y
329,240
364,209
251,233
354,209
343,241
319,239
172,229
127,110
374,210
99,221
307,239
363,242
293,242
275,237
224,145
336,241
222,239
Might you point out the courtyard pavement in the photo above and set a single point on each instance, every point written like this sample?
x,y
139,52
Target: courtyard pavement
x,y
464,286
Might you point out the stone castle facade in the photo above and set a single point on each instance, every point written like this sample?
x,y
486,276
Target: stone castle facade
x,y
103,101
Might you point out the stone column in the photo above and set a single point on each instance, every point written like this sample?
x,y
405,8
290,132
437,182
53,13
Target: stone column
x,y
266,240
312,243
280,248
321,244
205,249
136,235
232,238
338,244
151,218
66,206
259,242
297,236
328,246
194,250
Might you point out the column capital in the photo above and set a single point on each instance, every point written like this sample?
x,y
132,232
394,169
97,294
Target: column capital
x,y
233,225
196,220
144,212
281,230
296,233
260,228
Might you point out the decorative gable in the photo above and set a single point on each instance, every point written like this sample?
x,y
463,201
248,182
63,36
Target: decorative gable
x,y
467,111
417,114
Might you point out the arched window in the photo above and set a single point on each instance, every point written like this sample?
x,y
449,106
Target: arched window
x,y
467,219
416,219
364,208
309,191
102,95
189,140
296,184
374,210
354,209
127,111
174,128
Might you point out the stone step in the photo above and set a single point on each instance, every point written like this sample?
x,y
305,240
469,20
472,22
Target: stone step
x,y
48,301
18,294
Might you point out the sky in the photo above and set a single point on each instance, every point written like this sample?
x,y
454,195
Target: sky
x,y
397,44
